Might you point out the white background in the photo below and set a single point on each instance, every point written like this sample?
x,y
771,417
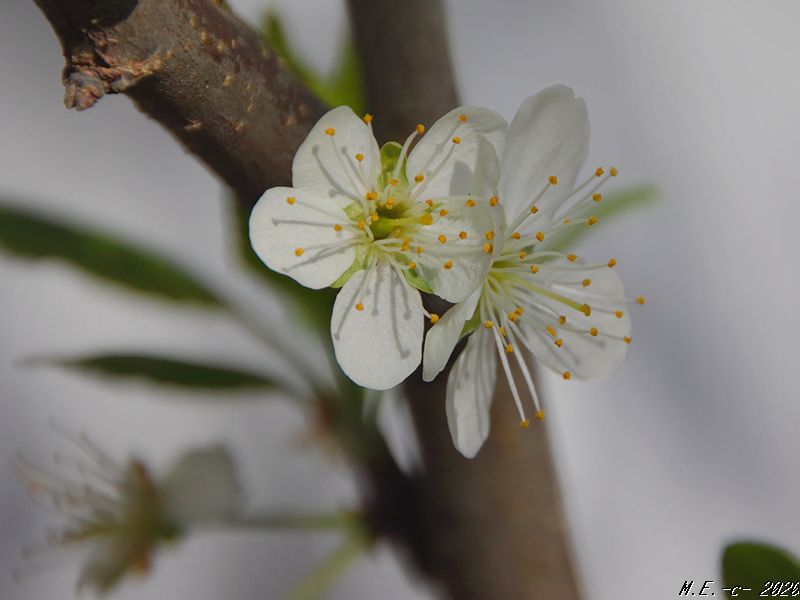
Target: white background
x,y
692,444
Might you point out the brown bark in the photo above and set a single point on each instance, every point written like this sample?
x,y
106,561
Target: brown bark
x,y
199,71
488,528
492,526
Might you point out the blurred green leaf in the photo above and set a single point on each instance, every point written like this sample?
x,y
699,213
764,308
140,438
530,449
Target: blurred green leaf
x,y
313,306
165,371
34,236
613,205
345,86
753,564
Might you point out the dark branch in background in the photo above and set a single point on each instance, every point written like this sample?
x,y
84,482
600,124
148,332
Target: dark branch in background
x,y
198,70
485,529
492,526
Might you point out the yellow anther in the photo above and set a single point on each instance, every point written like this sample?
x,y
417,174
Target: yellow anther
x,y
525,424
389,202
488,324
540,236
534,268
448,264
420,249
591,220
567,375
462,235
593,331
512,316
372,195
502,331
509,348
434,318
566,221
516,235
374,217
599,172
627,339
443,212
597,197
587,310
551,330
522,254
519,310
613,171
470,203
330,131
442,238
562,319
359,306
489,235
299,251
419,178
406,242
539,415
337,227
426,219
572,257
488,248
291,200
640,300
586,282
361,224
493,200
393,182
420,128
559,342
359,157
552,180
412,265
612,262
619,314
367,118
462,117
534,210
429,202
456,140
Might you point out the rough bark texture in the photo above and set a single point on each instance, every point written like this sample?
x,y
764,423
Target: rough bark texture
x,y
485,529
198,70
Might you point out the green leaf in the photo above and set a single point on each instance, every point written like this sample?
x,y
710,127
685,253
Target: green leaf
x,y
29,235
314,307
623,202
344,87
165,371
751,565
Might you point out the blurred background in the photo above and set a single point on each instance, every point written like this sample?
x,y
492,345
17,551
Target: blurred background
x,y
691,445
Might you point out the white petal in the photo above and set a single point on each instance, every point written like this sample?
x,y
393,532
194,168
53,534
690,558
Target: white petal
x,y
468,269
279,231
397,427
486,174
548,136
327,165
381,344
448,167
201,486
470,388
583,355
443,337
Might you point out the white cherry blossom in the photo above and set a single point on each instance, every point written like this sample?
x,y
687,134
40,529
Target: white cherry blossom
x,y
568,313
383,224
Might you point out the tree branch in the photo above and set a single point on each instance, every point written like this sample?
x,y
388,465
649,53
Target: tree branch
x,y
199,71
491,527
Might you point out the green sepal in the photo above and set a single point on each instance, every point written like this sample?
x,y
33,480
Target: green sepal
x,y
472,324
359,263
418,282
390,154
